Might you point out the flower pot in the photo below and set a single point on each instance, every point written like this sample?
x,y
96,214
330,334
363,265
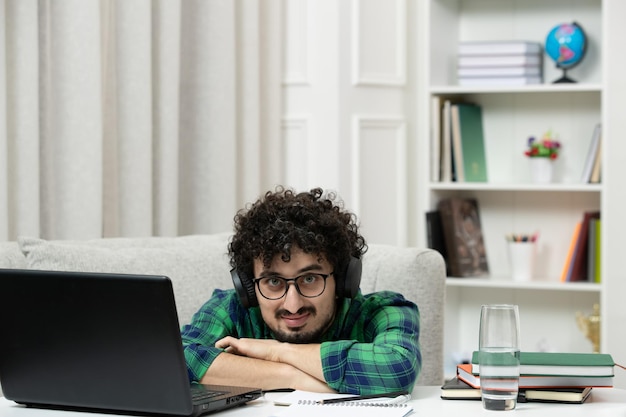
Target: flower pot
x,y
541,170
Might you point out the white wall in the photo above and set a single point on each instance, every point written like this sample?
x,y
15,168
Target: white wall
x,y
347,114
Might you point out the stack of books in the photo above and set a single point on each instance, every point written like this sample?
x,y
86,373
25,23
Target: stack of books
x,y
544,376
506,63
458,141
457,389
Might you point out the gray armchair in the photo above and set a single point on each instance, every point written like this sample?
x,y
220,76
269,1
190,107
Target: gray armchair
x,y
198,264
420,275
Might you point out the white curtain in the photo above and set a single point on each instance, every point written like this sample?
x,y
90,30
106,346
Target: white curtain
x,y
136,117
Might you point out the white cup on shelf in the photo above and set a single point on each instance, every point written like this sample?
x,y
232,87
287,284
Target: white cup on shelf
x,y
522,260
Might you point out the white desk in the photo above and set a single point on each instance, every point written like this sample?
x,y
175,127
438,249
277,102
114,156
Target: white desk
x,y
604,402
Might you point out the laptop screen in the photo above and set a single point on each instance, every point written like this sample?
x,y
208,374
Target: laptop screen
x,y
92,340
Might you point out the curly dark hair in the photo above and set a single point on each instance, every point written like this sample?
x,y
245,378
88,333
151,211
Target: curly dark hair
x,y
312,221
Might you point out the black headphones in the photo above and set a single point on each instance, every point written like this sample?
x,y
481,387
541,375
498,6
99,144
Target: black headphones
x,y
347,283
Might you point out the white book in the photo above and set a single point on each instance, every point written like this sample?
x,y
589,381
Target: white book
x,y
520,60
499,47
499,81
457,146
435,139
499,72
446,143
591,154
596,172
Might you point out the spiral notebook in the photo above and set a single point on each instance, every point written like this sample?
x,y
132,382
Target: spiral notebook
x,y
305,404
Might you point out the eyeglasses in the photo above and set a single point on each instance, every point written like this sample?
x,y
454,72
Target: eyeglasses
x,y
308,285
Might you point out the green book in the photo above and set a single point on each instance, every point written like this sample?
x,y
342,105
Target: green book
x,y
472,142
591,251
559,363
598,266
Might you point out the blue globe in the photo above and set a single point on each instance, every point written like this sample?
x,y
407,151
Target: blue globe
x,y
566,44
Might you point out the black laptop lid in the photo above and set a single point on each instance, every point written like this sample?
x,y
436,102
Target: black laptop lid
x,y
87,340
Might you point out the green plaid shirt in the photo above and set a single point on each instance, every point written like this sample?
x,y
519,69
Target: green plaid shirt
x,y
371,347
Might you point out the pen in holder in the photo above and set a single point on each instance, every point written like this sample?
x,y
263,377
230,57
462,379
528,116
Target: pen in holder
x,y
521,250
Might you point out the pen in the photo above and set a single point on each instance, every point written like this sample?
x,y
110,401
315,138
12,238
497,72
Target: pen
x,y
279,390
521,238
363,397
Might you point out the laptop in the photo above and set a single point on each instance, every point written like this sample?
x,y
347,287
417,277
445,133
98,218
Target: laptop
x,y
99,342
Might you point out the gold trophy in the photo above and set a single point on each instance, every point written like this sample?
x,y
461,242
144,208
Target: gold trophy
x,y
590,326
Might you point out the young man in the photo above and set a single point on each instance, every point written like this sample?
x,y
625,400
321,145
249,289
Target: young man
x,y
296,318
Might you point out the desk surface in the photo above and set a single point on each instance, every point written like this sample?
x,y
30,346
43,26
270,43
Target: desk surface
x,y
609,402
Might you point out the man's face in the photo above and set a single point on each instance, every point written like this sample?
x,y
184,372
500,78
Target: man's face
x,y
295,318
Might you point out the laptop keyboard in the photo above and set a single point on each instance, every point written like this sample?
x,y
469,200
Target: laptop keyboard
x,y
201,394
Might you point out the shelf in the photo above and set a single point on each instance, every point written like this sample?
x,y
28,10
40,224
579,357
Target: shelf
x,y
510,202
478,186
504,283
539,88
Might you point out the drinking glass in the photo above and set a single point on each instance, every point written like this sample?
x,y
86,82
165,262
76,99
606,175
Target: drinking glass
x,y
499,347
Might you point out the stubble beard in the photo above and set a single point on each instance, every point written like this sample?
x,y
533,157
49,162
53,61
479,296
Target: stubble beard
x,y
298,334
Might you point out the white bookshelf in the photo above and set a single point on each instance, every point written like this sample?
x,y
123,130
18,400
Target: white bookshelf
x,y
509,202
504,282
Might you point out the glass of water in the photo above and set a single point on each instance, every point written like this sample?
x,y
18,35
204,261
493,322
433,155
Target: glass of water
x,y
499,348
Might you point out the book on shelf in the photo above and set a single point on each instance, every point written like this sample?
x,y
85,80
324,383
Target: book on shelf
x,y
592,153
457,389
581,254
592,252
499,81
499,71
499,63
465,247
598,265
559,364
495,61
596,171
468,143
457,146
435,138
450,167
499,47
446,142
571,251
464,373
434,235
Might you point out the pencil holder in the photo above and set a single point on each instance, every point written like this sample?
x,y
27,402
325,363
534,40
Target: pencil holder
x,y
522,260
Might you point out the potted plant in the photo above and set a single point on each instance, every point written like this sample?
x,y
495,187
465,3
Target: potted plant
x,y
542,153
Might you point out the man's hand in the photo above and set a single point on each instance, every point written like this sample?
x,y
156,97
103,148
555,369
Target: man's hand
x,y
250,372
266,349
305,357
267,364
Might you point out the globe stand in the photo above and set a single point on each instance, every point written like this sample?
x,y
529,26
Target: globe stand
x,y
564,78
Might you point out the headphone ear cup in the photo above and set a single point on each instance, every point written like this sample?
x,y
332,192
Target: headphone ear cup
x,y
352,279
244,287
